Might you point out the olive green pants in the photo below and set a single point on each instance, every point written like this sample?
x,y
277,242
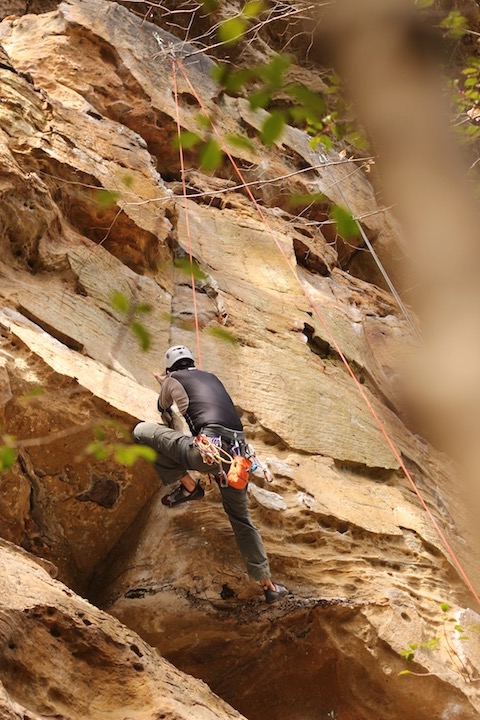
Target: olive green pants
x,y
176,454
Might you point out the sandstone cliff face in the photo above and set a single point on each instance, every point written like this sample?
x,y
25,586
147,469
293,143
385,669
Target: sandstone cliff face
x,y
122,676
88,105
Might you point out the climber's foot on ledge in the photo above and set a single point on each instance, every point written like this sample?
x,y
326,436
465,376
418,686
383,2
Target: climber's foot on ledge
x,y
272,596
181,495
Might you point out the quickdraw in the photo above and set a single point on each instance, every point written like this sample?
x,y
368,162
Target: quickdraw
x,y
257,464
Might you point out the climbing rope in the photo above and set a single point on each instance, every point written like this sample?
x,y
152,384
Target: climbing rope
x,y
323,159
187,224
212,454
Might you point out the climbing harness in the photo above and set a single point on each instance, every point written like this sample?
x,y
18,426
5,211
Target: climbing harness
x,y
242,460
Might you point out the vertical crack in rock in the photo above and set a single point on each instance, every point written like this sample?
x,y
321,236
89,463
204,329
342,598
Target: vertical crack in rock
x,y
36,535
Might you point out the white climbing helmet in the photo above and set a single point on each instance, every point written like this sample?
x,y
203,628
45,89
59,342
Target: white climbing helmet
x,y
175,353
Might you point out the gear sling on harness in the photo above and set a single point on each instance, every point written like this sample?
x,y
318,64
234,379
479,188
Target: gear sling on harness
x,y
213,453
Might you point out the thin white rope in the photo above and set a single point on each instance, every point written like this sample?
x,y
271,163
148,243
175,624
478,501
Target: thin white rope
x,y
324,160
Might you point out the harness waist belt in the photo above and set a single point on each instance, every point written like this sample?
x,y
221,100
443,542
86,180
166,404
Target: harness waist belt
x,y
223,432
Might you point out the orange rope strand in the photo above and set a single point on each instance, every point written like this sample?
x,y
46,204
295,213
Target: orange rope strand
x,y
187,224
334,343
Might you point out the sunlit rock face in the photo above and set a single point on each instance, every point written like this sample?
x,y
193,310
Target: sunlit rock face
x,y
91,205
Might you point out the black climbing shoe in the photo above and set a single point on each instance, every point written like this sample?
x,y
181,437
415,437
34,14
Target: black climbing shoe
x,y
272,596
181,495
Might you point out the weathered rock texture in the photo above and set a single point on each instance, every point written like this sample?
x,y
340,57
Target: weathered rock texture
x,y
87,664
88,105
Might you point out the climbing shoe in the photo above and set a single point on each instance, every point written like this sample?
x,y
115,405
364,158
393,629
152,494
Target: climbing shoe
x,y
272,596
181,495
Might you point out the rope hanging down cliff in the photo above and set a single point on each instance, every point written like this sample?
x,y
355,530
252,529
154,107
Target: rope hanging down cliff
x,y
187,225
176,64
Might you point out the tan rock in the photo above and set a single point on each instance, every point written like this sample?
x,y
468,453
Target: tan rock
x,y
61,656
343,525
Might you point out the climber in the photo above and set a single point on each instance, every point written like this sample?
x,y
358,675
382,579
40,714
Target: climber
x,y
208,409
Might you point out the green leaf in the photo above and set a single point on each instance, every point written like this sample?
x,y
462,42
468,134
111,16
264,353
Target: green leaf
x,y
8,455
405,672
300,114
120,302
311,101
232,29
221,334
98,449
106,198
147,453
252,9
305,199
356,139
445,607
220,73
272,73
203,120
189,268
187,140
240,141
143,308
34,391
338,130
259,99
237,79
142,334
211,155
99,433
210,5
129,454
456,24
273,126
346,225
232,80
321,140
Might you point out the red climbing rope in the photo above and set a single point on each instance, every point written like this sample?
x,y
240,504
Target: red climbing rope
x,y
334,344
187,224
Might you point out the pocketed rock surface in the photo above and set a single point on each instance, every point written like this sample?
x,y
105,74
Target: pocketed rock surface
x,y
90,206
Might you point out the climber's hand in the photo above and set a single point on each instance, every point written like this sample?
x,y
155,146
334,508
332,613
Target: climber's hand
x,y
167,418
